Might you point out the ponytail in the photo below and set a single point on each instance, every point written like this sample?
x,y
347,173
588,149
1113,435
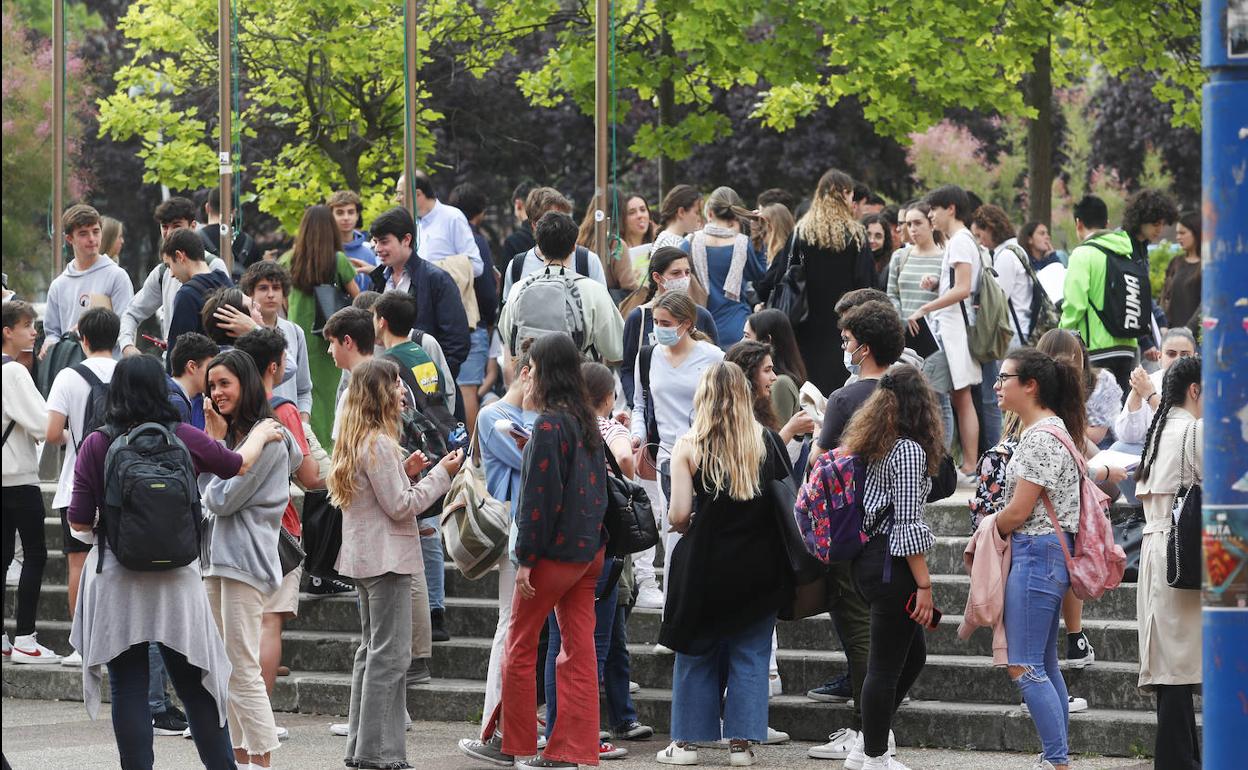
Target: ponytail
x,y
1059,387
1179,377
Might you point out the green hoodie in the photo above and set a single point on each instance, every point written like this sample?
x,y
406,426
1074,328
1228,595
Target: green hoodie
x,y
1085,280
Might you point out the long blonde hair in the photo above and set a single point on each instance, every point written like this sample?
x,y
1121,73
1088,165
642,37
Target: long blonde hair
x,y
727,441
779,226
369,413
830,223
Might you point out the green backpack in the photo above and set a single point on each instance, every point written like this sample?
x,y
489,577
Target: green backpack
x,y
992,333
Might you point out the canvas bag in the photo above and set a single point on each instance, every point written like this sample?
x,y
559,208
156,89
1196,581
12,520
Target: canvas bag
x,y
475,526
1098,563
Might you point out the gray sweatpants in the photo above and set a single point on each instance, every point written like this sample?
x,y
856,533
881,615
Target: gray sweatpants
x,y
375,721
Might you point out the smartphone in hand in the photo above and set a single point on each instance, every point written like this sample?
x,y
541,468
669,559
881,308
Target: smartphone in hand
x,y
936,614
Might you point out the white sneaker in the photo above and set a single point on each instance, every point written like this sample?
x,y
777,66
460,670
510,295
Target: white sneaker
x,y
1074,705
339,729
885,762
633,687
741,757
660,649
26,649
282,733
1042,764
678,755
650,597
14,575
839,744
72,659
774,686
187,734
775,737
858,756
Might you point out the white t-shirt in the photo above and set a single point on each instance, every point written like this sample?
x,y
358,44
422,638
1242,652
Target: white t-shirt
x,y
342,402
69,397
961,249
1013,279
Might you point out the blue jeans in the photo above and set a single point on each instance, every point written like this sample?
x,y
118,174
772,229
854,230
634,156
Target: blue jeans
x,y
729,680
990,425
1127,485
435,568
472,371
617,672
604,620
1033,606
157,682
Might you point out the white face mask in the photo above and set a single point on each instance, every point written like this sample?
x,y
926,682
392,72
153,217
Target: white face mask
x,y
677,284
850,366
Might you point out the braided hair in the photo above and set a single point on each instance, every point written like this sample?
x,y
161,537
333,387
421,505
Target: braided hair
x,y
1181,375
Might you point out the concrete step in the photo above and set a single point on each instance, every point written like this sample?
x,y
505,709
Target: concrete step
x,y
946,677
922,723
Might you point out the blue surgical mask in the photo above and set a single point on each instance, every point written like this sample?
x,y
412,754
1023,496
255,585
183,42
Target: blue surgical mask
x,y
850,366
667,335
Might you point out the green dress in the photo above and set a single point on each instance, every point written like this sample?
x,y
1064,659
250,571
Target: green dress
x,y
301,311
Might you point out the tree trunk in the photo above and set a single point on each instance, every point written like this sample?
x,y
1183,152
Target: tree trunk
x,y
1039,93
667,106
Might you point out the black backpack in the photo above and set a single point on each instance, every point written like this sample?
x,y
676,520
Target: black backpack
x,y
65,353
151,514
1127,307
96,406
424,428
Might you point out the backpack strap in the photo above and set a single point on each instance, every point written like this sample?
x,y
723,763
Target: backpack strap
x,y
93,382
517,267
644,359
12,423
582,261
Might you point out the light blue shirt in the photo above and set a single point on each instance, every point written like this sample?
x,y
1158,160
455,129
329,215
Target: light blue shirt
x,y
501,459
534,262
444,232
672,390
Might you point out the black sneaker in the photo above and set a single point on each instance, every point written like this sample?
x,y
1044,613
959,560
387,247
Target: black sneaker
x,y
418,672
177,712
839,690
166,723
1079,652
437,619
487,751
632,731
328,587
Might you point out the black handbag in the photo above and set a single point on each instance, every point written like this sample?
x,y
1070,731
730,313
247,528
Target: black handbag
x,y
1129,533
629,518
329,298
289,551
322,534
1184,556
945,482
789,295
807,572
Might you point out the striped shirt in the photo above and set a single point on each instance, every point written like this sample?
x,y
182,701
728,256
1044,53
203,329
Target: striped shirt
x,y
905,272
899,481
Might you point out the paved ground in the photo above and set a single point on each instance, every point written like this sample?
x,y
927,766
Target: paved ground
x,y
47,735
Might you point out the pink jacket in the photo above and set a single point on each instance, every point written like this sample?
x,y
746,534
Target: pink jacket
x,y
987,559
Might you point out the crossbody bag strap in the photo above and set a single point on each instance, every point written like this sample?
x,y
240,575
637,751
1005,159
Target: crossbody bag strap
x,y
1061,535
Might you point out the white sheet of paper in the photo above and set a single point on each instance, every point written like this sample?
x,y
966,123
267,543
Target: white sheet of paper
x,y
1110,458
1053,279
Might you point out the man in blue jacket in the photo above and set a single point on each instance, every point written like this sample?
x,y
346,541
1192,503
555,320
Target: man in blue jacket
x,y
439,309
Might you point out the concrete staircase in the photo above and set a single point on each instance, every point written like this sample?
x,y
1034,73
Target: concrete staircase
x,y
959,701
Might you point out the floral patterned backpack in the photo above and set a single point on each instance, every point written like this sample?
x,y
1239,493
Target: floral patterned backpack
x,y
829,510
989,497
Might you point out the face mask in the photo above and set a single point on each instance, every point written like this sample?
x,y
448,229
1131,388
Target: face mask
x,y
667,335
677,284
850,366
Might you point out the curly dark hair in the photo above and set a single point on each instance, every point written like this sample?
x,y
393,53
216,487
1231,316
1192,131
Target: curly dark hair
x,y
878,326
265,270
138,393
749,355
993,219
1147,207
903,406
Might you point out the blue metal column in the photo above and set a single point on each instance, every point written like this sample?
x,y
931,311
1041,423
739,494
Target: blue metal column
x,y
1224,55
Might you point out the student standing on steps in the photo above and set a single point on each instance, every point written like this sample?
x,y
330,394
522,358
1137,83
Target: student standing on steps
x,y
75,392
728,573
374,485
25,422
183,253
90,280
1046,394
897,432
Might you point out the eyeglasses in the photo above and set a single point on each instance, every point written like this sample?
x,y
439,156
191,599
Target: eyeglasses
x,y
1001,378
845,343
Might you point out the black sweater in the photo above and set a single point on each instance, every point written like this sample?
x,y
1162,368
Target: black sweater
x,y
563,494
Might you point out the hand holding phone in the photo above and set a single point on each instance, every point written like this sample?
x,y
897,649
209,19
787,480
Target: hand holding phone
x,y
913,605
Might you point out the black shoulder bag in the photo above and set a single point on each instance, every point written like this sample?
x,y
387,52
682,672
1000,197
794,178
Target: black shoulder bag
x,y
1184,557
789,295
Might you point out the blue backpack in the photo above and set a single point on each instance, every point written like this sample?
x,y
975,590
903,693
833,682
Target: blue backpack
x,y
829,508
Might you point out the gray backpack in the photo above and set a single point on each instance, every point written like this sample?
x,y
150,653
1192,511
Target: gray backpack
x,y
548,302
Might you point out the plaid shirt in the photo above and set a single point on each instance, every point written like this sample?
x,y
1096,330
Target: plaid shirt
x,y
899,481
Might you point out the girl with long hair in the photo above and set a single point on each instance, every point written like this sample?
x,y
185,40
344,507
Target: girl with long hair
x,y
776,226
167,607
1038,243
680,214
621,274
636,227
559,547
1169,618
724,260
112,237
317,260
728,574
376,488
242,517
880,239
772,327
1047,395
897,432
1180,294
755,360
833,246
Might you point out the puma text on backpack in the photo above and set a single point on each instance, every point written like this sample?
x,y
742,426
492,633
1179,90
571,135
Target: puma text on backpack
x,y
151,514
1044,315
1098,563
993,332
548,302
96,406
829,510
1127,308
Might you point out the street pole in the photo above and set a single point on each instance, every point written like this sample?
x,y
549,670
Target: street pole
x,y
1224,55
227,139
58,134
602,101
409,108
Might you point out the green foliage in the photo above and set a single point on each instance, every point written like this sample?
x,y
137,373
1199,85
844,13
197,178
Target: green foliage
x,y
948,153
1159,260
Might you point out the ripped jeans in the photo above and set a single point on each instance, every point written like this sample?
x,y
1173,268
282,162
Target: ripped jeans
x,y
1033,606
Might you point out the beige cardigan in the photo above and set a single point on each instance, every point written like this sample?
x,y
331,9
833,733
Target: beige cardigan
x,y
1168,618
379,529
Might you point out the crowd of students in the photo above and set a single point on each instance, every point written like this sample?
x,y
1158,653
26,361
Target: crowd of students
x,y
667,362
